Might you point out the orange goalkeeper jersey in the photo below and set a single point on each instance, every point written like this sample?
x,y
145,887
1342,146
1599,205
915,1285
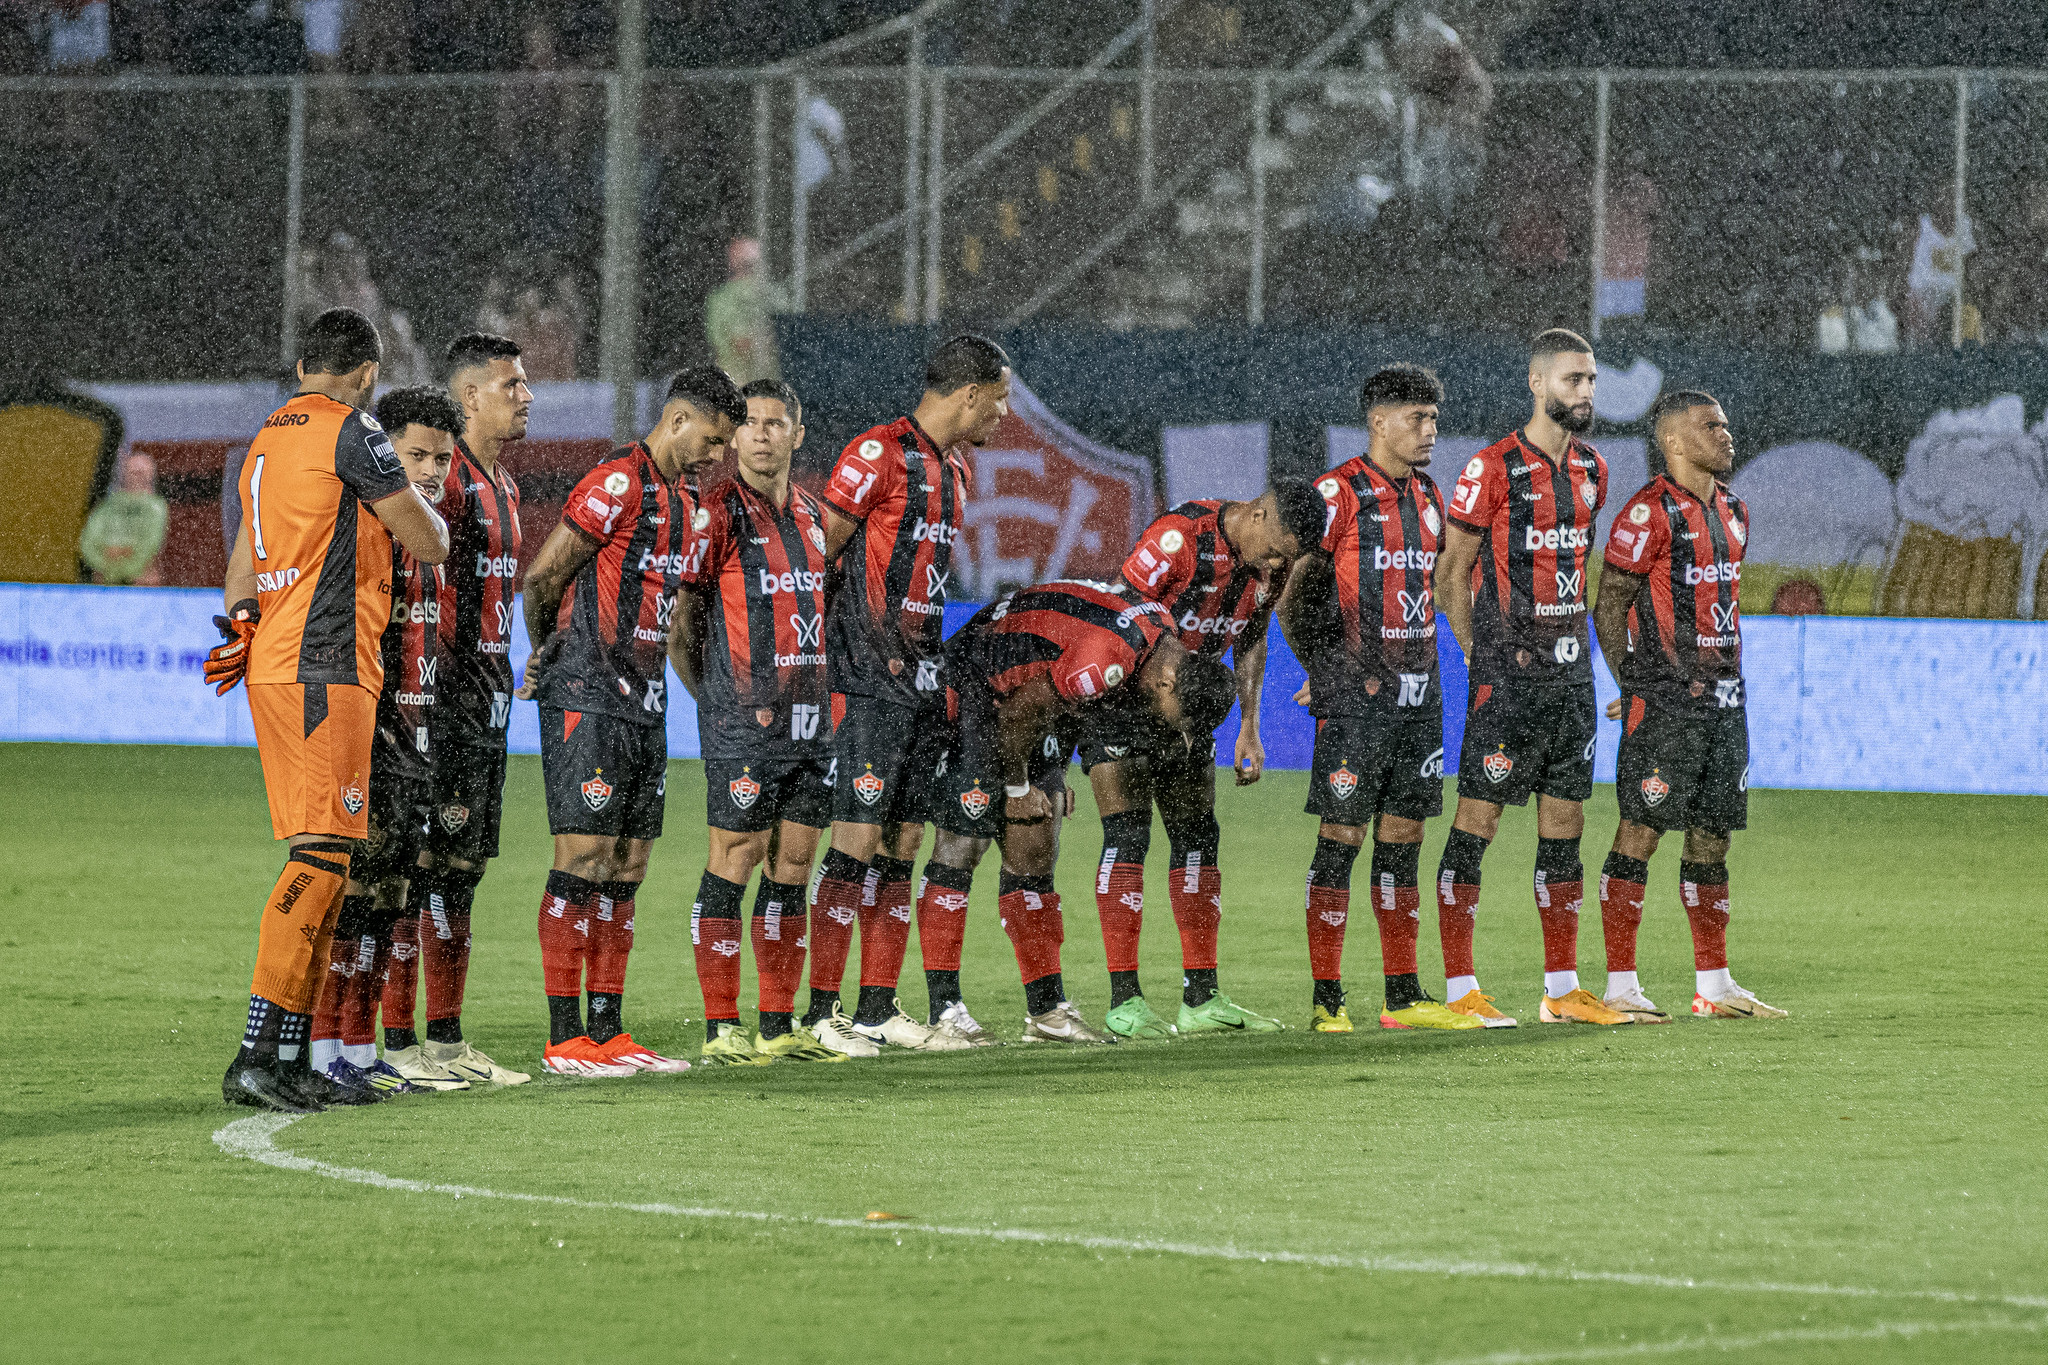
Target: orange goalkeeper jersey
x,y
322,559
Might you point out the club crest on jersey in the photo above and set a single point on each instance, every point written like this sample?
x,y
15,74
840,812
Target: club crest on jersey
x,y
616,484
1587,493
868,787
975,802
1172,541
1431,519
454,817
352,796
1343,781
597,791
817,538
1655,788
1498,765
743,790
1639,514
1735,529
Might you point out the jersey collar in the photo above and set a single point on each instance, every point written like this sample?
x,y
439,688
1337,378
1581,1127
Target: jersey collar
x,y
1571,444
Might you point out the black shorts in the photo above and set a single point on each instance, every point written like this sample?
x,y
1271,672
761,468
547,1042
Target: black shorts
x,y
400,808
882,755
1521,739
603,775
748,795
1683,767
964,793
1119,737
1391,764
469,798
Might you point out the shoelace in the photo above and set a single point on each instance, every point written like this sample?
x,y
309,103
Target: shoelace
x,y
960,1019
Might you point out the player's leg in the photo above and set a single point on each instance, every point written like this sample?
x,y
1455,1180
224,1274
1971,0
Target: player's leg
x,y
1565,719
869,742
885,914
1123,796
1720,806
942,932
446,893
1642,791
1406,770
639,801
576,750
1341,797
351,928
1194,883
1030,908
779,915
1497,767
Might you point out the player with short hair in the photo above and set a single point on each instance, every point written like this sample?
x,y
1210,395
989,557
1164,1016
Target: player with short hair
x,y
1019,668
1670,626
600,598
306,611
893,510
474,706
422,423
1363,614
749,645
1217,567
1511,579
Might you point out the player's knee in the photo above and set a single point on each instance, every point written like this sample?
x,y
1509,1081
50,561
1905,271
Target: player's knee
x,y
1557,860
1194,835
1400,861
958,850
1127,836
1481,818
1331,865
1707,845
326,855
1637,841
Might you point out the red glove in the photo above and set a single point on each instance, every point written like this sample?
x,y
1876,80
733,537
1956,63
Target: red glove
x,y
230,658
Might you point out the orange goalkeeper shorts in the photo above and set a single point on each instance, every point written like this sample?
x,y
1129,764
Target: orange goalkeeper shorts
x,y
315,742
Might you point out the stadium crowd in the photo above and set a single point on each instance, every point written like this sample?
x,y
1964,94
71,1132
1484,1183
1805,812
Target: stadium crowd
x,y
370,604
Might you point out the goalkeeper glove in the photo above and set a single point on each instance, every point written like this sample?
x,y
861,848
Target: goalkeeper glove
x,y
230,658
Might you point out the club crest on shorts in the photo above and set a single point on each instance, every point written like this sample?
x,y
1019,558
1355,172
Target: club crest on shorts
x,y
352,795
1343,781
867,786
1655,788
454,817
743,790
597,791
1498,765
974,801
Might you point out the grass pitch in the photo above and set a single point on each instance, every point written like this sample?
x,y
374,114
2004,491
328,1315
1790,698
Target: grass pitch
x,y
1860,1183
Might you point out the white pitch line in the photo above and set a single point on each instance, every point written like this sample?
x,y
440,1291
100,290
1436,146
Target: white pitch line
x,y
251,1138
1883,1331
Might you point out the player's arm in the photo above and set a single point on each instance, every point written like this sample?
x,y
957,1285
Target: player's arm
x,y
1618,589
415,524
229,659
1023,719
1303,607
561,558
686,641
1453,588
240,584
1248,662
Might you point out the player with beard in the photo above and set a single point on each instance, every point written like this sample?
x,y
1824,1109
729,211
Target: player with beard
x,y
422,423
1021,668
1670,626
1218,568
893,510
600,601
1360,614
749,645
1511,580
474,705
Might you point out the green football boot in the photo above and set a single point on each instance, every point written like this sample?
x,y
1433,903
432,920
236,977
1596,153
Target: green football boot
x,y
1136,1020
1220,1014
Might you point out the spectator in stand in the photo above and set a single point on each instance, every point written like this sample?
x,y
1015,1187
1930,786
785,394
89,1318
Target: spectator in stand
x,y
545,315
739,316
337,275
1932,282
125,533
2015,275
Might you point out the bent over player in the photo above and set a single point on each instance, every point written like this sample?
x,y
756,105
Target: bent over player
x,y
306,611
1018,667
749,645
1217,567
422,423
893,509
600,598
1670,625
1363,619
1512,582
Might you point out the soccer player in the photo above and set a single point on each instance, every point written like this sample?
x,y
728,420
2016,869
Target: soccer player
x,y
306,611
421,423
1017,670
893,510
1511,579
749,645
487,381
1670,626
600,599
1217,567
1361,615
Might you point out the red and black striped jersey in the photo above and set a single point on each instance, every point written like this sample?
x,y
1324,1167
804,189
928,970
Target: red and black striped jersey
x,y
1185,563
477,611
411,661
1685,625
763,578
1535,518
1382,535
617,610
884,620
1088,638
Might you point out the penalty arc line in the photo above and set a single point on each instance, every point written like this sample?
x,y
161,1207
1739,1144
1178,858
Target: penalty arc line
x,y
252,1139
